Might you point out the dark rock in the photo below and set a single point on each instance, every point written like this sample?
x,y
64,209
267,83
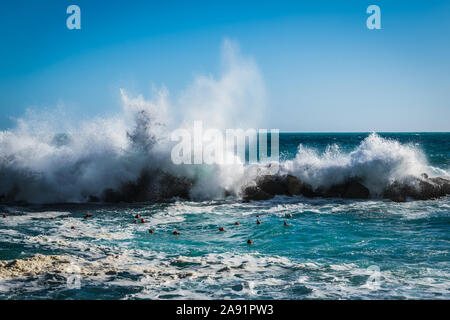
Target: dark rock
x,y
418,189
227,193
273,185
335,191
432,188
11,196
92,198
293,185
138,191
425,190
171,186
255,193
307,190
355,190
443,185
111,196
131,191
150,186
352,189
394,192
422,188
284,185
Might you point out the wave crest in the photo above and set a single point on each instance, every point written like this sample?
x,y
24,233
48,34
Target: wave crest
x,y
377,162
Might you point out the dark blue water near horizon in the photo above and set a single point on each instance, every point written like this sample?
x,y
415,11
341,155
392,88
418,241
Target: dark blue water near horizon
x,y
330,249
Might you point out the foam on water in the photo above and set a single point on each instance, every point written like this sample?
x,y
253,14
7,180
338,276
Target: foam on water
x,y
324,253
71,173
47,158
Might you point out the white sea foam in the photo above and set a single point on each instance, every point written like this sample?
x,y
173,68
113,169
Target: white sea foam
x,y
47,159
106,153
376,161
247,273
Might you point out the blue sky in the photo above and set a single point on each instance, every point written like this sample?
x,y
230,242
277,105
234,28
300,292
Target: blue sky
x,y
322,68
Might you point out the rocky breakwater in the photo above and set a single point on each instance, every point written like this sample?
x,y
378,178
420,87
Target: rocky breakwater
x,y
417,188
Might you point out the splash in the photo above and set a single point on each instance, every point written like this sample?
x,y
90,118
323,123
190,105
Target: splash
x,y
377,162
126,157
237,99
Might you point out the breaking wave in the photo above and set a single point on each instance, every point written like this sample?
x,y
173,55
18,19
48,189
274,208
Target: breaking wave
x,y
108,160
126,157
376,162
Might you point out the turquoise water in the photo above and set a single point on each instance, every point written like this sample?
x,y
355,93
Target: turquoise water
x,y
331,248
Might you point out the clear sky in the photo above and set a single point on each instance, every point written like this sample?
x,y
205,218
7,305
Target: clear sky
x,y
322,69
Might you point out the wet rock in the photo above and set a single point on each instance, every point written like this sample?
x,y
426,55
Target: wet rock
x,y
171,186
138,191
255,193
294,186
288,185
355,190
111,196
308,191
227,193
352,189
332,192
150,186
395,193
12,197
423,188
426,190
131,191
432,188
417,189
92,198
297,187
443,185
273,185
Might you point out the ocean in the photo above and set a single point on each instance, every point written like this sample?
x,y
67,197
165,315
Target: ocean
x,y
330,248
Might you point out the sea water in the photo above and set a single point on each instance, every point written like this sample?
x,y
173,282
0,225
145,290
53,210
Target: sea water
x,y
330,249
